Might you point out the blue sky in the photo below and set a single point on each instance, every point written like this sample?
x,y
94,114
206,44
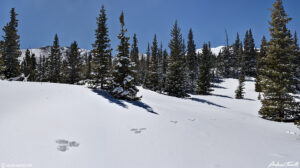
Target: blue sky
x,y
76,19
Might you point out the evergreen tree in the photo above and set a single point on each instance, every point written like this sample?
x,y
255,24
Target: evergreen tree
x,y
191,62
277,76
259,65
134,55
101,51
28,66
226,57
25,66
74,64
160,68
249,54
175,75
123,81
11,47
2,67
55,62
88,66
153,68
142,69
164,70
204,79
239,93
236,59
297,62
146,81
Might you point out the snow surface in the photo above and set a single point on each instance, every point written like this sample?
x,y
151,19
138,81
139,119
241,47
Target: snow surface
x,y
66,126
215,51
45,51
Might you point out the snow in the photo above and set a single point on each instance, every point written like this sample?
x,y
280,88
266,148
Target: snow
x,y
215,51
45,51
66,126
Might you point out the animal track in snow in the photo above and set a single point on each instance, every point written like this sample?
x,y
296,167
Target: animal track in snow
x,y
138,130
64,145
175,122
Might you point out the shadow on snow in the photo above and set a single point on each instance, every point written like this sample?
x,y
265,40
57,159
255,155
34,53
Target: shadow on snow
x,y
205,101
121,103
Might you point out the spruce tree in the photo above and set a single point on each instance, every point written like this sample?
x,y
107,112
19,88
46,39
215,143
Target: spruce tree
x,y
146,81
239,93
123,81
259,65
175,75
134,56
297,62
249,54
236,59
192,62
55,62
74,64
11,46
277,75
101,51
160,68
88,66
164,70
204,77
226,59
2,67
153,68
25,65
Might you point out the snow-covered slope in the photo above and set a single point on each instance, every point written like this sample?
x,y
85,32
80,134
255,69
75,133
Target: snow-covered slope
x,y
215,51
160,131
45,51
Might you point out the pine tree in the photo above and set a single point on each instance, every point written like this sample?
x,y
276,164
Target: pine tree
x,y
226,57
164,70
74,64
101,51
160,68
239,93
134,56
297,62
153,68
11,47
55,62
175,75
88,66
2,67
146,81
204,79
123,81
236,56
26,64
277,76
259,65
249,54
191,62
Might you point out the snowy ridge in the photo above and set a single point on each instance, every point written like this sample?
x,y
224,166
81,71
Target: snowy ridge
x,y
67,126
215,51
45,51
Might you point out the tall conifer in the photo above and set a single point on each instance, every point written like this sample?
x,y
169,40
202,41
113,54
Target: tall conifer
x,y
101,51
277,75
123,81
11,46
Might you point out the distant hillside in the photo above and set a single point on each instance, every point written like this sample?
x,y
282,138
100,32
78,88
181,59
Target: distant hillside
x,y
45,51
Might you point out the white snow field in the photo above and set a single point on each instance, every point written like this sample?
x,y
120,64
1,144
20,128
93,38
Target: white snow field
x,y
48,125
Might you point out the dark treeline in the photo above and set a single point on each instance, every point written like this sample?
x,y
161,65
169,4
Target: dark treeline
x,y
183,71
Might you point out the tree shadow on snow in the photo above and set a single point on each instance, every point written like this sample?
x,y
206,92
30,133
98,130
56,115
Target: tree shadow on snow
x,y
121,103
223,96
205,101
